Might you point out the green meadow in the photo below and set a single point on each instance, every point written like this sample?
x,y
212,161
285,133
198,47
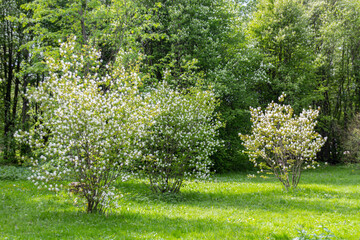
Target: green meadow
x,y
231,206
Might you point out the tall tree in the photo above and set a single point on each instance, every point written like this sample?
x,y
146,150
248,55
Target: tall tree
x,y
12,37
281,32
336,27
31,28
203,40
109,25
191,36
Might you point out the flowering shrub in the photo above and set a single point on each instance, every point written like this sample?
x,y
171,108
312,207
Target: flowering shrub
x,y
87,124
282,142
178,144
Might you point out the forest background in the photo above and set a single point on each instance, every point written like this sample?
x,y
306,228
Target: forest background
x,y
249,51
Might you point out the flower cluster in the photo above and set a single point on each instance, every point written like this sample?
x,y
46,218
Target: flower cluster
x,y
282,142
183,136
86,128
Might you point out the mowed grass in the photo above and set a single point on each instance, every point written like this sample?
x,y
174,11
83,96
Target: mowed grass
x,y
231,206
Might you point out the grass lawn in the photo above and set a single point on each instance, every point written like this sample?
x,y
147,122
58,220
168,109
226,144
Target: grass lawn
x,y
231,206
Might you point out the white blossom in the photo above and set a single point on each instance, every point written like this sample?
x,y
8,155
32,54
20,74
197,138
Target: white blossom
x,y
87,122
282,142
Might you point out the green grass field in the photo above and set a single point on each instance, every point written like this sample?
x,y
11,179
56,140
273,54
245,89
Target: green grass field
x,y
228,207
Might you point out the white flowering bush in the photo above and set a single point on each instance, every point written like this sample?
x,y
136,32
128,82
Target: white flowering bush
x,y
283,143
86,128
183,135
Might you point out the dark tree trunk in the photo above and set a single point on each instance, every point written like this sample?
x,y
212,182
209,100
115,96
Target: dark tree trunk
x,y
8,69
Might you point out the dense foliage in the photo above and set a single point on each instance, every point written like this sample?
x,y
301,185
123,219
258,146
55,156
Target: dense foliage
x,y
181,139
351,140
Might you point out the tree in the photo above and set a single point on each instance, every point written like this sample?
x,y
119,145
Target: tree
x,y
282,142
12,79
183,135
188,35
335,26
108,25
29,29
281,33
87,124
205,40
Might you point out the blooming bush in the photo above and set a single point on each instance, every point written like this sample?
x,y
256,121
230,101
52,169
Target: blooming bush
x,y
87,124
282,142
178,144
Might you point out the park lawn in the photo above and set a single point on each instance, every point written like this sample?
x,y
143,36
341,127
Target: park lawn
x,y
231,206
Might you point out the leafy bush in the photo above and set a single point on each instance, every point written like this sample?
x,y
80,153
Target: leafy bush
x,y
14,173
183,136
282,143
352,141
87,125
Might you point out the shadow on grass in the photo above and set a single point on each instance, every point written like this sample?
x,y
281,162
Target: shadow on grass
x,y
305,198
342,175
35,219
134,225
